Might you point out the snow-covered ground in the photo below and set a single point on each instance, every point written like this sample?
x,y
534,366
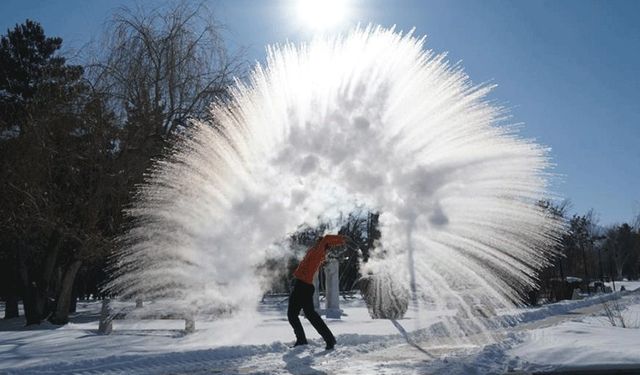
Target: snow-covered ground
x,y
564,335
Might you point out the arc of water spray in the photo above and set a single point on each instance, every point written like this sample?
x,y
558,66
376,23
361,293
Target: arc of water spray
x,y
367,119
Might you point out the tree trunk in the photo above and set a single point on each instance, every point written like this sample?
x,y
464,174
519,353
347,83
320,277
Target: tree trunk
x,y
619,271
12,289
74,300
36,293
61,314
50,281
31,313
53,248
31,310
11,306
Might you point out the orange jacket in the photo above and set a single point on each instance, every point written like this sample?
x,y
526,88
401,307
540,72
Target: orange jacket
x,y
315,256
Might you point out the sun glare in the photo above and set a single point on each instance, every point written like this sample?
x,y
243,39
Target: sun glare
x,y
321,14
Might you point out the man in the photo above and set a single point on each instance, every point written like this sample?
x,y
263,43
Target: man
x,y
302,293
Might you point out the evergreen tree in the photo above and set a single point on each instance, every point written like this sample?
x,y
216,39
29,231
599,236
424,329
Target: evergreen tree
x,y
54,145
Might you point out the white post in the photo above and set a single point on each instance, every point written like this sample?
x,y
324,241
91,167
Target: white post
x,y
316,292
332,283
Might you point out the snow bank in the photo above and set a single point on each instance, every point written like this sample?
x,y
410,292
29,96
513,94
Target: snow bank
x,y
584,342
561,336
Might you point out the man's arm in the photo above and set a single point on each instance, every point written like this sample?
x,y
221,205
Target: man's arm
x,y
334,240
332,243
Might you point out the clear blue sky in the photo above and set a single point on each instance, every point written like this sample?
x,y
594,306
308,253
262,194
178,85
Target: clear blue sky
x,y
570,70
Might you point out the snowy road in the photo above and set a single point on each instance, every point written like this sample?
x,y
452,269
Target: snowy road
x,y
381,356
555,337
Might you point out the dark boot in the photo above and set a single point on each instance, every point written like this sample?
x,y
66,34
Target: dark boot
x,y
330,344
300,342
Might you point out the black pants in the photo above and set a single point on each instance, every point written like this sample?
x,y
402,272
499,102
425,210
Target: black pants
x,y
302,298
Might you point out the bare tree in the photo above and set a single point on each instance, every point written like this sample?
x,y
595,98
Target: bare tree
x,y
161,67
624,247
168,62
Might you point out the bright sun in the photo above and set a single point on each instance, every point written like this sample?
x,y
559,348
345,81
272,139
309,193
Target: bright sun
x,y
321,14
